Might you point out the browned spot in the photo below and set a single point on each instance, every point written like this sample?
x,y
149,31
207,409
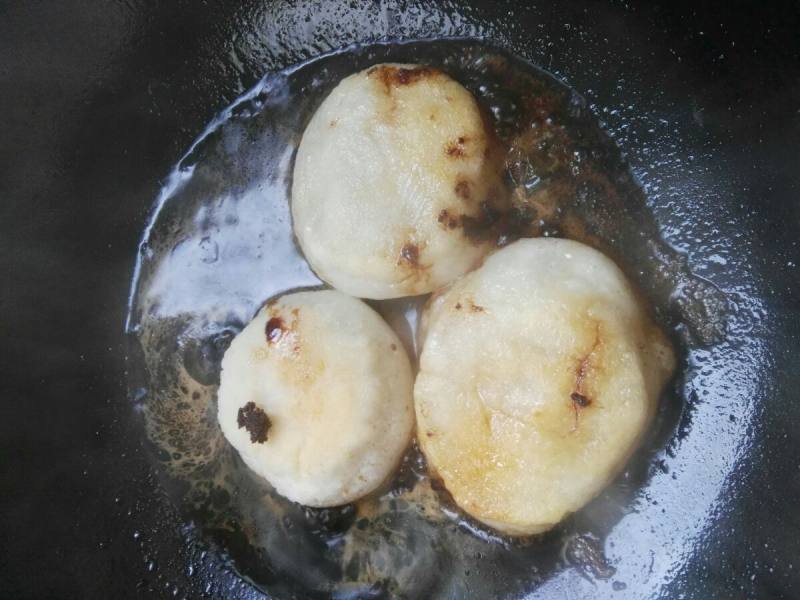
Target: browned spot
x,y
406,76
476,308
296,312
429,434
454,151
392,76
184,389
447,220
492,222
579,397
255,421
463,189
455,148
195,395
333,123
393,347
410,254
274,329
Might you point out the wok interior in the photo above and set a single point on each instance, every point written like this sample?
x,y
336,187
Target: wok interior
x,y
220,244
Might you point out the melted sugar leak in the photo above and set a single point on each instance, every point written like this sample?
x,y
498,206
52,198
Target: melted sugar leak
x,y
220,244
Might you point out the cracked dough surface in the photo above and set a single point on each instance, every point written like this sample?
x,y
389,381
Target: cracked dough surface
x,y
539,374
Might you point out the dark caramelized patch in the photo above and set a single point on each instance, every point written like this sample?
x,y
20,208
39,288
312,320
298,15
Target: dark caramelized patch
x,y
580,399
330,521
458,305
447,220
255,421
462,189
274,329
404,76
393,347
410,254
480,228
476,307
392,76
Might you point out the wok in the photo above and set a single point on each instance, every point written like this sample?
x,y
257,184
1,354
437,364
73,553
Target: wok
x,y
100,100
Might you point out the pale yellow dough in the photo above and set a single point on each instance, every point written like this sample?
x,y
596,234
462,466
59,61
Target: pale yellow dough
x,y
335,383
388,167
539,374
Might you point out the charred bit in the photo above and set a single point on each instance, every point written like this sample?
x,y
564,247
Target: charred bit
x,y
580,399
274,329
255,421
410,253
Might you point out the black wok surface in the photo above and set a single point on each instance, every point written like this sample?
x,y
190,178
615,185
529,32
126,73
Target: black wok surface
x,y
99,100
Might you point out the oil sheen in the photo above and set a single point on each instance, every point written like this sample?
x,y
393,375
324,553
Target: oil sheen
x,y
220,244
